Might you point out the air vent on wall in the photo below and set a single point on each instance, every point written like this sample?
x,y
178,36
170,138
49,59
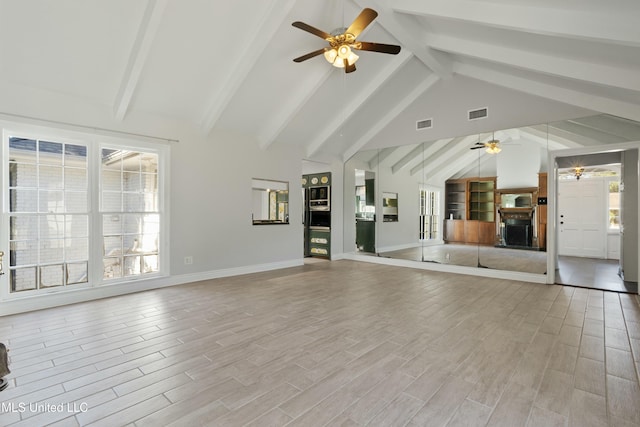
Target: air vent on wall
x,y
424,124
480,113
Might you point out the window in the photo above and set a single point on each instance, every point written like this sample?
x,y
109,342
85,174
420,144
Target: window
x,y
48,214
130,216
429,218
59,236
614,205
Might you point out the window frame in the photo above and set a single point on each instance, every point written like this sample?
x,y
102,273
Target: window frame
x,y
94,143
425,207
618,179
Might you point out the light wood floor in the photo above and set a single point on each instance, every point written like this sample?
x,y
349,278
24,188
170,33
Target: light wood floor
x,y
339,343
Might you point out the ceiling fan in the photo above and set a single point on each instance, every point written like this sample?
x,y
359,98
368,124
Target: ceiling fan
x,y
491,147
342,41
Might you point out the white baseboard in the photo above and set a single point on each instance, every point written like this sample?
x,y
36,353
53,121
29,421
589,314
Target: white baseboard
x,y
56,299
398,247
449,268
410,245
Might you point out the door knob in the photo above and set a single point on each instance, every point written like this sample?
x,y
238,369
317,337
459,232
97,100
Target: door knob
x,y
561,222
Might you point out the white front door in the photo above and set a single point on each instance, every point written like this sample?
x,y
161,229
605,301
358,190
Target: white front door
x,y
581,218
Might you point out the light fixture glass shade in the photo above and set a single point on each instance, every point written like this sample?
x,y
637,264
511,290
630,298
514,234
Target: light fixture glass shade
x,y
344,51
336,57
352,58
493,149
330,55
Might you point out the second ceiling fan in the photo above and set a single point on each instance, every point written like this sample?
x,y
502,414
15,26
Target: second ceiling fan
x,y
491,147
342,42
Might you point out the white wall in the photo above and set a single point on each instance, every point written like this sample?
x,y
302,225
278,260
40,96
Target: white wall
x,y
395,235
211,204
518,165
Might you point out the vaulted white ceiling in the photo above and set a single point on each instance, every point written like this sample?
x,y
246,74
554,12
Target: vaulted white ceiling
x,y
228,65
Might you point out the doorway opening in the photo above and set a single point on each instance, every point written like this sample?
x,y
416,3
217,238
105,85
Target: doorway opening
x,y
593,251
365,212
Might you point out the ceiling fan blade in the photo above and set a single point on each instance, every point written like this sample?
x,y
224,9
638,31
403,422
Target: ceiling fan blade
x,y
309,55
365,18
349,68
475,148
308,28
378,47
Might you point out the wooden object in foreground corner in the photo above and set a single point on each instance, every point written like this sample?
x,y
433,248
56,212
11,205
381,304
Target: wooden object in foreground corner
x,y
4,366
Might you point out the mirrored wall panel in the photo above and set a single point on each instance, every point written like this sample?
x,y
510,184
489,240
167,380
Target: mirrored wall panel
x,y
480,200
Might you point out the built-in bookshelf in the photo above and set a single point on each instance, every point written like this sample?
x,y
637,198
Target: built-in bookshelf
x,y
456,199
470,210
481,200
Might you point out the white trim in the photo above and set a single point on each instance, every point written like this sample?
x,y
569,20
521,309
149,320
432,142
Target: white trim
x,y
337,257
432,242
449,268
39,302
422,243
398,247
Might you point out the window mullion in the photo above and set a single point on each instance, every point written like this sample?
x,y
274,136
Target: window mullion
x,y
95,216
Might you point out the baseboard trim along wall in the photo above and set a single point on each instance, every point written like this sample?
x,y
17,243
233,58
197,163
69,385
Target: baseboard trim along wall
x,y
449,268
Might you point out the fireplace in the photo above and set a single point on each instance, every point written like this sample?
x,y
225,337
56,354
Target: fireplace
x,y
517,218
518,233
516,227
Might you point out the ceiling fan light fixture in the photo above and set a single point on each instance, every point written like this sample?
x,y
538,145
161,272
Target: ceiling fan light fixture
x,y
493,148
343,41
337,56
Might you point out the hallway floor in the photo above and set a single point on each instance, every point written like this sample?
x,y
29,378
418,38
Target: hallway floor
x,y
592,273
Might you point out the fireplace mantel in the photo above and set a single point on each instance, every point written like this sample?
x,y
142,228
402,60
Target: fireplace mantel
x,y
517,190
515,212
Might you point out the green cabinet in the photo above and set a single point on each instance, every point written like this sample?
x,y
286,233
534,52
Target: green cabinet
x,y
320,242
365,235
370,195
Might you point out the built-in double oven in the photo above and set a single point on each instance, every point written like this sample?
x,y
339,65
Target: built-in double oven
x,y
320,207
320,198
317,214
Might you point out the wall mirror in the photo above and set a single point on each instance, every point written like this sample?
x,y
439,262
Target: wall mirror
x,y
390,207
472,207
269,201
